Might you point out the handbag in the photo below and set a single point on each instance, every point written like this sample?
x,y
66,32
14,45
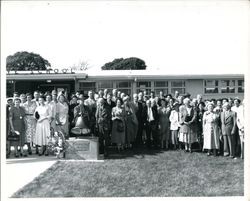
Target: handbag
x,y
37,116
13,137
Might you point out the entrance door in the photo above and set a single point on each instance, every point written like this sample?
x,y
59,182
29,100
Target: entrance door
x,y
58,87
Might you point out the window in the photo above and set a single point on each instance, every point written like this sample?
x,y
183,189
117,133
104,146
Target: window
x,y
123,84
240,86
161,86
144,86
227,86
179,86
211,86
105,85
124,87
86,86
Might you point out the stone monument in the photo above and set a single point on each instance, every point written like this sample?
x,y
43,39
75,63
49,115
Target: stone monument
x,y
82,148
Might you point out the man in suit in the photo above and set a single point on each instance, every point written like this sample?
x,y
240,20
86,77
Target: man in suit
x,y
228,127
151,119
137,107
103,120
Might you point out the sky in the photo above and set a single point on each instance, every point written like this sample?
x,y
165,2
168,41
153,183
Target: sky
x,y
179,35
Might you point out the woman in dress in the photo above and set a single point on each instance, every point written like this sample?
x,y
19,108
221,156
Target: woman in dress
x,y
62,111
188,117
164,123
131,122
118,125
43,116
174,125
211,130
16,119
30,121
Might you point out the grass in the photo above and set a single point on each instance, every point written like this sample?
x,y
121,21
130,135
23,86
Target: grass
x,y
141,173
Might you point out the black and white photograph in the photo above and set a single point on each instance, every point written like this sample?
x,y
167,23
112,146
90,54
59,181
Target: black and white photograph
x,y
124,99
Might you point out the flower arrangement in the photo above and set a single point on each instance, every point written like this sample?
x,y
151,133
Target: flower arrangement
x,y
57,144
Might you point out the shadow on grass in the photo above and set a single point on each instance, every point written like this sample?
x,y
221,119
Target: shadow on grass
x,y
132,153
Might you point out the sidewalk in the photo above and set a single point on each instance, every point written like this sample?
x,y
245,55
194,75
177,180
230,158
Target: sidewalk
x,y
21,171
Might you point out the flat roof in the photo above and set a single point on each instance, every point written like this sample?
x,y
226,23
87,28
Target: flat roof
x,y
118,74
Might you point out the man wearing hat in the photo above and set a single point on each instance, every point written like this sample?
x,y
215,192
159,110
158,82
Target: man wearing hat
x,y
228,127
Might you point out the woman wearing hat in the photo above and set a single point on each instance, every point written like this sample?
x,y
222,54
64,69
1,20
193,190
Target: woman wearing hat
x,y
211,130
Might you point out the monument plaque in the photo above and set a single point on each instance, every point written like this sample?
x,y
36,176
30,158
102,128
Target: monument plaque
x,y
84,148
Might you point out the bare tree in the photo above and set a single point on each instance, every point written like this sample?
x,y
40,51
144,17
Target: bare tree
x,y
81,66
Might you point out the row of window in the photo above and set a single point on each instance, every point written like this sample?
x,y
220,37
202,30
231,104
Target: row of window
x,y
210,86
223,86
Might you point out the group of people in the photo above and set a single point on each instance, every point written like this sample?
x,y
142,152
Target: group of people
x,y
159,122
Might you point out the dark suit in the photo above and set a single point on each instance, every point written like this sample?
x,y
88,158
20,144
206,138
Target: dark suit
x,y
228,128
137,107
103,120
151,126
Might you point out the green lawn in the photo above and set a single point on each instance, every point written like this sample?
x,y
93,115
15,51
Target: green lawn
x,y
141,173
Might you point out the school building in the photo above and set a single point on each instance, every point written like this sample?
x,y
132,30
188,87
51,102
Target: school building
x,y
210,85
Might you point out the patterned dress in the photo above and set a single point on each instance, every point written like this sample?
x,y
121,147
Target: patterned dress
x,y
118,118
211,131
30,121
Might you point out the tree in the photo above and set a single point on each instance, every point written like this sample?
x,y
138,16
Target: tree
x,y
131,63
26,61
81,66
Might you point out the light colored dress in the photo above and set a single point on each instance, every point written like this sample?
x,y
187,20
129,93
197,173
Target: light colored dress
x,y
62,111
118,117
30,121
164,123
42,128
211,131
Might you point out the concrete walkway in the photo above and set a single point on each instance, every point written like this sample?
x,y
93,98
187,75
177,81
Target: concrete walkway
x,y
21,171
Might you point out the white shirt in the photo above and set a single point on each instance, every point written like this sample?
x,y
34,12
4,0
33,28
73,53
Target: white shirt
x,y
150,115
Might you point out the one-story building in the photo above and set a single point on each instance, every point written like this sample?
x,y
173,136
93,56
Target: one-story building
x,y
210,85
